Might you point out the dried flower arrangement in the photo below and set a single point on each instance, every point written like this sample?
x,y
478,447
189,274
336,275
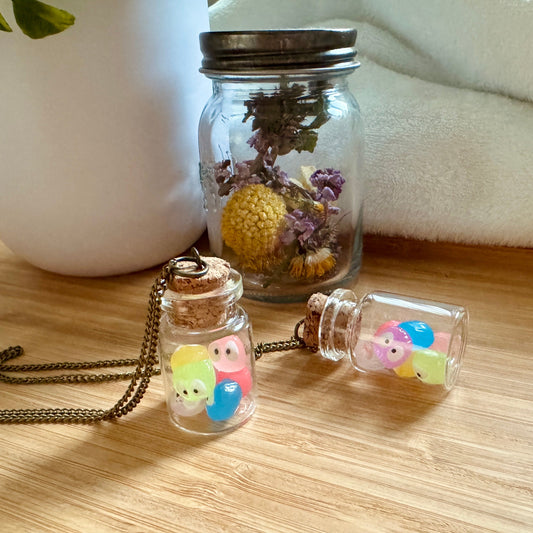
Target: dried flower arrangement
x,y
273,223
37,19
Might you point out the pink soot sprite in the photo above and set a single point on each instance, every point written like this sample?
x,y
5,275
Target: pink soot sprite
x,y
392,345
394,342
230,358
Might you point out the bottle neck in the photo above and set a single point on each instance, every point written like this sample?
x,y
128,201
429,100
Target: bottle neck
x,y
243,87
195,315
338,329
203,309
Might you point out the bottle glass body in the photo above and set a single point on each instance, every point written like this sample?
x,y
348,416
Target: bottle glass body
x,y
207,367
403,336
281,173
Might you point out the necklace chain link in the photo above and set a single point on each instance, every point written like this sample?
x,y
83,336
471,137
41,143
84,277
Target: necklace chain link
x,y
139,378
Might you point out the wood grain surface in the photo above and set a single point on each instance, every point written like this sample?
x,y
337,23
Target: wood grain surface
x,y
327,450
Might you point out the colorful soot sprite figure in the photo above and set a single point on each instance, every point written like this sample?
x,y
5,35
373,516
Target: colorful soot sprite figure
x,y
214,379
406,347
366,330
230,358
193,378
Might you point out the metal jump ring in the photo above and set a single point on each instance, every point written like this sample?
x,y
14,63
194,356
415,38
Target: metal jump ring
x,y
201,266
296,334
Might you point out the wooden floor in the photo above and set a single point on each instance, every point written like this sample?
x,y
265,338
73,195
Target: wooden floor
x,y
326,451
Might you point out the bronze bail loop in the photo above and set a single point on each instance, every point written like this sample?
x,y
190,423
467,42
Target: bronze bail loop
x,y
296,333
201,266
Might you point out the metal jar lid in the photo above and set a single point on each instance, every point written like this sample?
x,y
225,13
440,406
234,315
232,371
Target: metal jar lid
x,y
274,51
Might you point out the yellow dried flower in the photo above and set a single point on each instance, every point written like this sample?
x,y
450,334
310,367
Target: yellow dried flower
x,y
318,207
252,222
312,265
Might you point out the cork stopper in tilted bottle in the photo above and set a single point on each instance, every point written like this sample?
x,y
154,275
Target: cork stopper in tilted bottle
x,y
332,323
315,306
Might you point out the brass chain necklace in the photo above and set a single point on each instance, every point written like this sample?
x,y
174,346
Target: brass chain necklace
x,y
145,365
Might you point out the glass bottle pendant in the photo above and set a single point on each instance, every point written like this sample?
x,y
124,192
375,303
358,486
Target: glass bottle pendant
x,y
383,332
206,349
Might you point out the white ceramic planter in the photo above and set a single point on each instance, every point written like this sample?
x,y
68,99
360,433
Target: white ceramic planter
x,y
98,136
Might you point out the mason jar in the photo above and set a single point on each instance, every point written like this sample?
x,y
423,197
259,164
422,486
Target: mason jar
x,y
206,350
406,337
280,159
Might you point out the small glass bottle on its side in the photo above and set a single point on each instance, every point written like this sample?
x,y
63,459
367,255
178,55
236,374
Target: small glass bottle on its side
x,y
383,332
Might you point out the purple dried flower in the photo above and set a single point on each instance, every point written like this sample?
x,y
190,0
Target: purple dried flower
x,y
282,177
259,142
327,194
273,177
242,170
244,175
300,225
328,184
222,172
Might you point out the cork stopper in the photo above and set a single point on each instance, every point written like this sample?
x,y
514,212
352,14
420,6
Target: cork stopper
x,y
216,276
315,306
205,301
332,323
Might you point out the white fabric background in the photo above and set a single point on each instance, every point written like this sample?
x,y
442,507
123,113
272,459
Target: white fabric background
x,y
446,90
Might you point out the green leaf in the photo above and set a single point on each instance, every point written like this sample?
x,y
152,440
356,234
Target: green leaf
x,y
4,26
37,19
306,140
